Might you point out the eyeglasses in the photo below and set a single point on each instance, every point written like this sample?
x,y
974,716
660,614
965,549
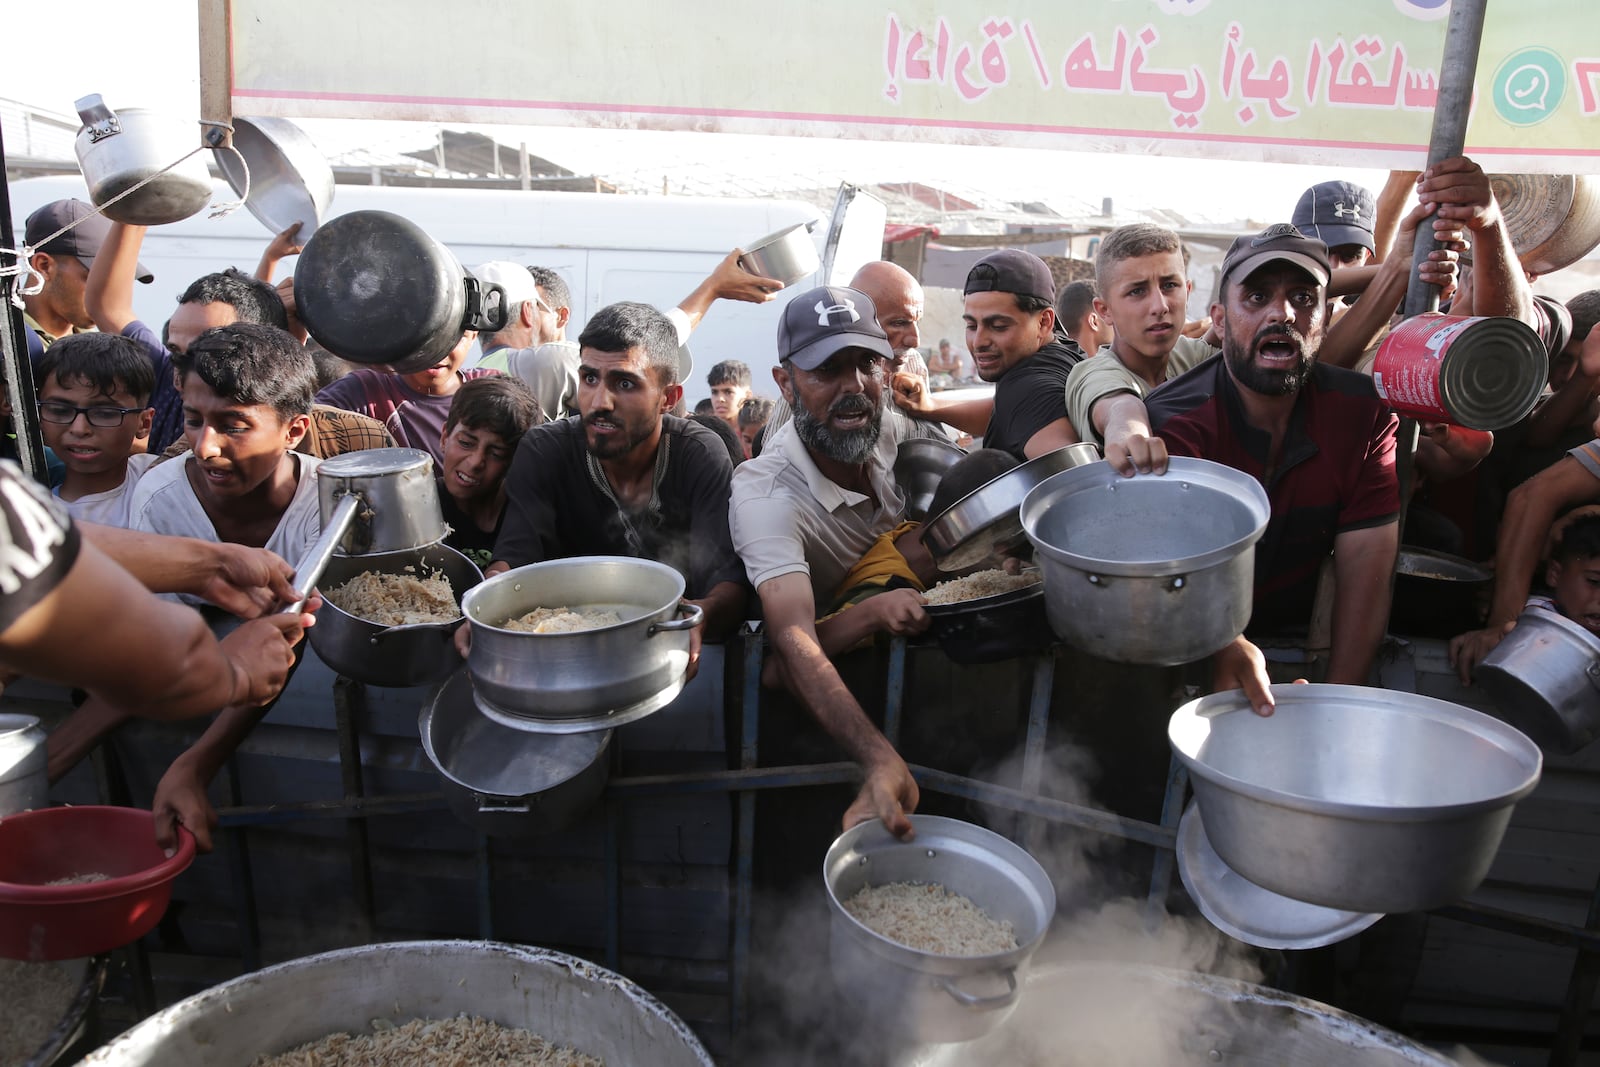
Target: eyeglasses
x,y
540,302
64,414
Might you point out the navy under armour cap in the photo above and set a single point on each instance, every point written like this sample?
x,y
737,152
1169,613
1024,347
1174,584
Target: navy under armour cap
x,y
818,323
1337,213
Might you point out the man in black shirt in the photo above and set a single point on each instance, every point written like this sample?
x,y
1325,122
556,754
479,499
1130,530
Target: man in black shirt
x,y
625,478
1010,314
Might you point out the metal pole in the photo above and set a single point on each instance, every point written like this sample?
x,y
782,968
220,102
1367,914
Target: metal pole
x,y
14,355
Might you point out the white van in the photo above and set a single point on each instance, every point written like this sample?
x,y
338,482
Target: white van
x,y
654,249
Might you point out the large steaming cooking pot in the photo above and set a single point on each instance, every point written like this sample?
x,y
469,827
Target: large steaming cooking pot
x,y
119,149
930,997
1365,800
1095,1014
586,679
559,997
1150,569
373,287
417,654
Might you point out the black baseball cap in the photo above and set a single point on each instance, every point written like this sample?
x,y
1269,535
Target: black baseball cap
x,y
83,240
1337,213
828,319
1012,270
1278,242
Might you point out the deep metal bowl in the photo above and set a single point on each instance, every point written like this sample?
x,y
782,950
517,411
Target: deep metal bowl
x,y
559,997
563,678
1149,569
934,997
984,525
1365,800
290,179
418,654
1544,677
918,465
1109,1013
788,255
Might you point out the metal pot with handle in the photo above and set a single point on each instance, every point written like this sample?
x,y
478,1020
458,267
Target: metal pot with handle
x,y
119,149
373,287
1544,677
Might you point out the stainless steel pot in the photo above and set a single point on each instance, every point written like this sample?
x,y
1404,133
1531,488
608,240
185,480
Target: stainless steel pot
x,y
935,998
919,463
399,499
560,997
1365,800
119,149
587,679
984,526
1544,677
373,287
788,255
505,782
24,781
1148,569
1110,1013
418,654
289,180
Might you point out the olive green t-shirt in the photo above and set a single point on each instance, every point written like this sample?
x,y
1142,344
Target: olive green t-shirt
x,y
1103,375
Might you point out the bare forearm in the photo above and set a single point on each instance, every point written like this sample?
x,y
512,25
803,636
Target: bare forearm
x,y
724,609
1563,409
968,416
162,564
1530,509
1349,337
108,294
818,686
1360,615
1498,285
220,741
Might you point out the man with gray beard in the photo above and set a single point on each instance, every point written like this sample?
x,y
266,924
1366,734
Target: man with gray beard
x,y
818,503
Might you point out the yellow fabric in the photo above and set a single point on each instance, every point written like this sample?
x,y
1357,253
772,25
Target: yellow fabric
x,y
877,567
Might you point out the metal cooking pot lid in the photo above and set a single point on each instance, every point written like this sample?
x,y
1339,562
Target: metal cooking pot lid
x,y
489,758
374,462
1243,910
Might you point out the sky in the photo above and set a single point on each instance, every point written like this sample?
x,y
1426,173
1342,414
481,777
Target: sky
x,y
145,55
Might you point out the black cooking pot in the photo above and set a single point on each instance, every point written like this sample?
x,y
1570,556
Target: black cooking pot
x,y
372,287
992,628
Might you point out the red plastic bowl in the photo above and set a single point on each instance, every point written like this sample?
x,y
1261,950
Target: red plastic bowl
x,y
58,922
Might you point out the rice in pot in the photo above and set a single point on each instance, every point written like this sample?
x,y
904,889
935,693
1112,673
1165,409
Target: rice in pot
x,y
464,1041
562,620
930,918
980,584
36,996
396,599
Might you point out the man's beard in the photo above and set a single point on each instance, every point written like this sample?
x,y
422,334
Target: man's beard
x,y
854,446
1263,380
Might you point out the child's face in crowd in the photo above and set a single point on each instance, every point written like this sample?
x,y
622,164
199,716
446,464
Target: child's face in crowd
x,y
1577,590
87,449
238,446
475,461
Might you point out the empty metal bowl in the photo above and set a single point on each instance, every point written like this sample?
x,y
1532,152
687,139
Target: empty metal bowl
x,y
1544,677
290,179
1353,798
919,464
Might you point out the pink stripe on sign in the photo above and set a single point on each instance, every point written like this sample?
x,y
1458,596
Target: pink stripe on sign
x,y
858,120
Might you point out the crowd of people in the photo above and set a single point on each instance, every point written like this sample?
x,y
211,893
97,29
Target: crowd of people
x,y
784,506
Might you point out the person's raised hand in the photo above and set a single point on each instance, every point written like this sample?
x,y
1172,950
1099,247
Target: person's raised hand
x,y
246,581
1467,650
1241,665
1137,454
1459,190
732,282
261,652
181,800
889,795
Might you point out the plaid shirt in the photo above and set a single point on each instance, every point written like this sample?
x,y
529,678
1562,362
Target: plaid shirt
x,y
333,432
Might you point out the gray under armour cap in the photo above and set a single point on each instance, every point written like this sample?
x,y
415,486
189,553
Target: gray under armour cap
x,y
822,321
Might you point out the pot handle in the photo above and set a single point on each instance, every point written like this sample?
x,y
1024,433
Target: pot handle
x,y
488,805
98,118
1592,672
972,1003
486,306
694,613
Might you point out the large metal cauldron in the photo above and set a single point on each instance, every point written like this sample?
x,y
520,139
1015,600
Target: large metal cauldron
x,y
1354,798
1148,569
559,997
1111,1015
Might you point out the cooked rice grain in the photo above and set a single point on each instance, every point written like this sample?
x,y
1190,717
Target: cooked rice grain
x,y
980,584
396,599
81,879
562,620
35,997
930,918
460,1042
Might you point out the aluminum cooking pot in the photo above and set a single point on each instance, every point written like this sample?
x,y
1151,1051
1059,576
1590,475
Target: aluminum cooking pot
x,y
984,526
505,782
1150,569
1111,1013
399,499
587,679
24,781
919,464
559,997
373,287
1553,219
290,181
417,654
1365,800
119,149
788,255
1544,677
935,998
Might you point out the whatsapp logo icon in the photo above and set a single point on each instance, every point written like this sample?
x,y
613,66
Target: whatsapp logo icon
x,y
1529,86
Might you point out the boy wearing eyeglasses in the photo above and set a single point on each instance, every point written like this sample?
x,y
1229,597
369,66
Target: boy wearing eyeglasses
x,y
94,410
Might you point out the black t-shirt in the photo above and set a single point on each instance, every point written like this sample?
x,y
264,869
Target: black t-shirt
x,y
465,537
558,505
38,544
1030,396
